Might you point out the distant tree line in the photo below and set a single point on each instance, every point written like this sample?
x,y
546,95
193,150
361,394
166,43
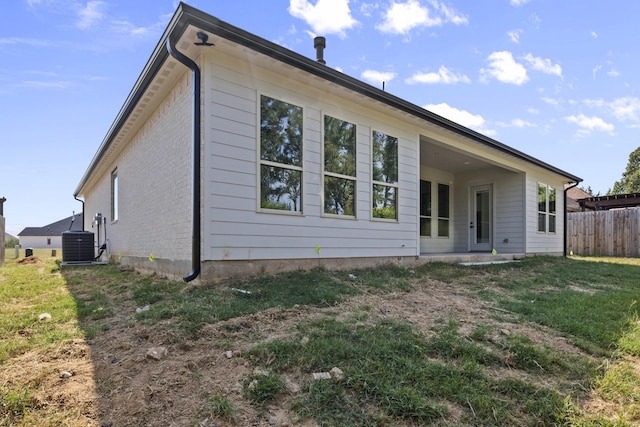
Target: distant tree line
x,y
11,242
630,181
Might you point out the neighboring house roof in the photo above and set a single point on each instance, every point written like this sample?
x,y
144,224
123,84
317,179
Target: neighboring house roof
x,y
55,228
186,16
573,194
8,236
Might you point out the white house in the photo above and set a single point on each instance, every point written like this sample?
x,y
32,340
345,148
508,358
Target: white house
x,y
234,155
50,235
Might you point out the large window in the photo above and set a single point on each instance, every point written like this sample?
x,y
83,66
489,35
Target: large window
x,y
425,208
339,167
385,176
443,210
435,209
114,195
280,155
546,209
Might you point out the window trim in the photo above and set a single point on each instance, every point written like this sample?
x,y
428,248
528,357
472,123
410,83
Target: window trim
x,y
385,184
438,183
420,216
547,212
260,162
325,173
115,193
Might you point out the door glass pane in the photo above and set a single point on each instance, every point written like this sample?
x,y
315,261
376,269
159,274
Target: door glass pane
x,y
482,217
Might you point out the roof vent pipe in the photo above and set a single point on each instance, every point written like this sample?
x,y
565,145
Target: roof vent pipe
x,y
320,43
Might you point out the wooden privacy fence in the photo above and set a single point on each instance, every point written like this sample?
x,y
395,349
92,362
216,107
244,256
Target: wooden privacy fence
x,y
604,233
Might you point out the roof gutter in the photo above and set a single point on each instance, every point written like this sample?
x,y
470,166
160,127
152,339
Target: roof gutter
x,y
195,244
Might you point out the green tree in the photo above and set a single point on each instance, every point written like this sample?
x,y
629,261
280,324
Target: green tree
x,y
630,181
13,241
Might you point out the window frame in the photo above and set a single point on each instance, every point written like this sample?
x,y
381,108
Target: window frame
x,y
335,175
394,185
115,191
273,164
430,210
550,212
448,210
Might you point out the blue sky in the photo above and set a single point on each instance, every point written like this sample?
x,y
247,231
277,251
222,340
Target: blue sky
x,y
558,80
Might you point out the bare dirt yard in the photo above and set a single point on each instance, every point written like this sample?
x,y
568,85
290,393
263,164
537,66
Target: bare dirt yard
x,y
130,372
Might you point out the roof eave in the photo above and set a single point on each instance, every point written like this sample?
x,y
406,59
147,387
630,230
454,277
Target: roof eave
x,y
186,15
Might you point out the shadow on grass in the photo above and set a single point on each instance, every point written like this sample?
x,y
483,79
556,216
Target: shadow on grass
x,y
392,370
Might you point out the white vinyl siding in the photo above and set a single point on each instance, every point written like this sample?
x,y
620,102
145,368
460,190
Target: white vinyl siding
x,y
537,242
235,230
508,220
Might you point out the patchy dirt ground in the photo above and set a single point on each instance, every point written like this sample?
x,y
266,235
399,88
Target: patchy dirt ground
x,y
110,381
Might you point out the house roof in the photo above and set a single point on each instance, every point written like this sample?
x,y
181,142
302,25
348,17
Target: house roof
x,y
186,16
573,194
53,229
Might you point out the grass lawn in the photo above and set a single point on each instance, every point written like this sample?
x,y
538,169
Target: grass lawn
x,y
544,341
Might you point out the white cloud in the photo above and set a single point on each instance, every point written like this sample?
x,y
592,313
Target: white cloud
x,y
514,35
544,65
450,15
472,121
126,27
595,70
594,34
588,125
443,75
597,103
551,101
626,109
519,2
23,41
516,123
90,14
378,77
504,68
613,73
535,20
41,84
325,17
402,17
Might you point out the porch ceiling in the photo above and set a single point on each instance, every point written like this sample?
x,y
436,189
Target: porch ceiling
x,y
438,156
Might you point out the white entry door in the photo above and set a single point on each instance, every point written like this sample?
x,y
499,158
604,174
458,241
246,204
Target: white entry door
x,y
480,226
